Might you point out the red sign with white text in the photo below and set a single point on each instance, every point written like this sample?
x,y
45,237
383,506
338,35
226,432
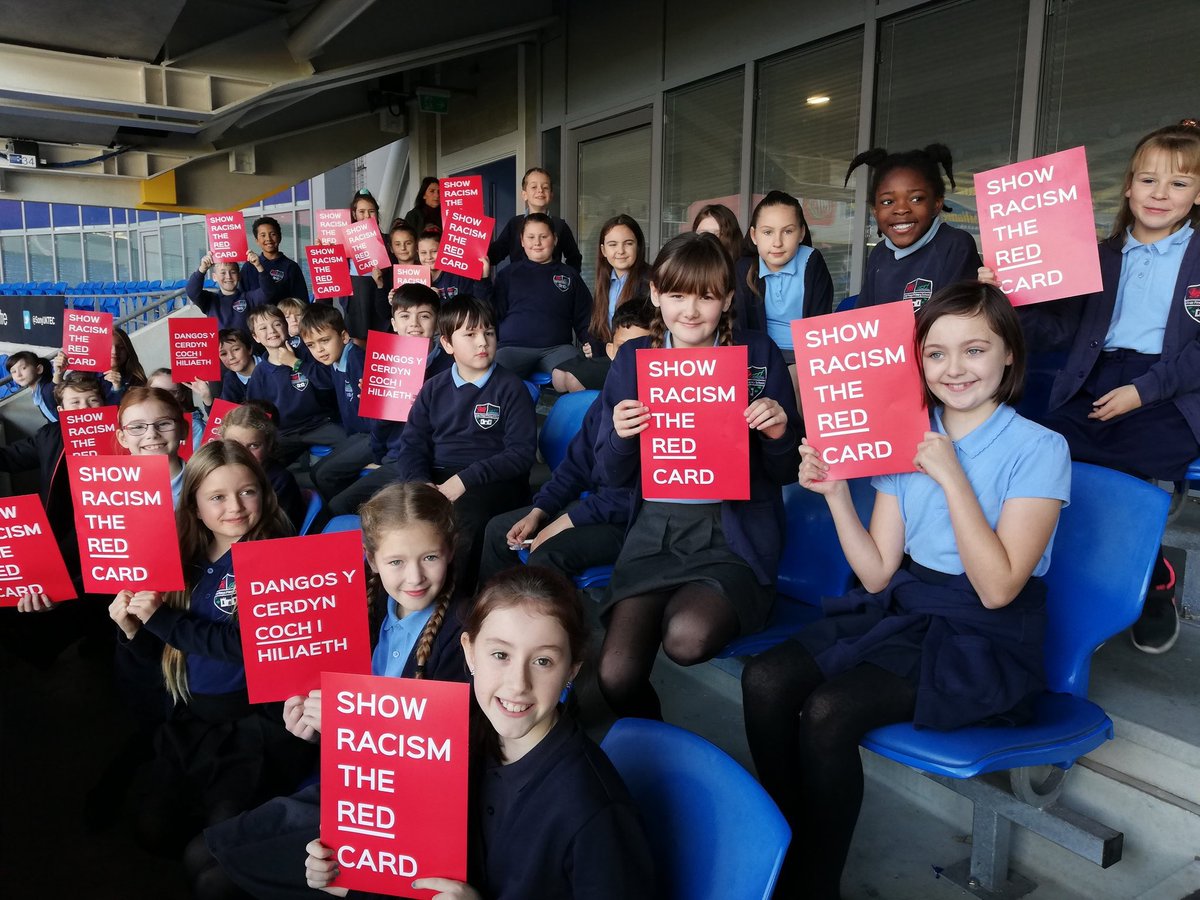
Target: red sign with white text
x,y
697,445
861,389
88,340
194,350
1038,228
410,275
215,416
389,747
226,236
462,194
90,432
365,246
186,448
392,376
30,562
465,240
329,225
303,608
125,520
330,274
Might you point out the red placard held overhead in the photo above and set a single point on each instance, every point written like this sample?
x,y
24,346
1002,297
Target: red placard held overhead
x,y
330,274
697,445
125,520
329,225
88,340
194,350
29,559
462,194
216,416
303,609
1038,228
392,375
861,389
365,246
465,240
226,236
390,747
410,275
90,432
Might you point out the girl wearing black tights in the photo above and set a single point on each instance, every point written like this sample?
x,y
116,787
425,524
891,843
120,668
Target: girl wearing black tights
x,y
693,575
949,637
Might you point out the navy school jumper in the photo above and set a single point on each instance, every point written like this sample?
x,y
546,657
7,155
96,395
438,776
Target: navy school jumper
x,y
951,256
580,471
283,271
229,310
751,308
296,394
507,244
540,304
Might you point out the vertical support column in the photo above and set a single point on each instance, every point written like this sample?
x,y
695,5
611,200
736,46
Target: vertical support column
x,y
866,115
749,99
991,834
1031,80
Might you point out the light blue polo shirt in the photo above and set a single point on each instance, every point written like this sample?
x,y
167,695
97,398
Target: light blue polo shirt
x,y
783,295
397,637
901,252
1146,291
615,284
1007,456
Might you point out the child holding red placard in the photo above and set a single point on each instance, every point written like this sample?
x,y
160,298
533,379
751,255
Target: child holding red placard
x,y
693,575
149,423
952,637
570,828
126,371
408,537
232,301
449,284
537,193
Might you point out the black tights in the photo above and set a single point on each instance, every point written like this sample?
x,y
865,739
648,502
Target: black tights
x,y
692,622
803,732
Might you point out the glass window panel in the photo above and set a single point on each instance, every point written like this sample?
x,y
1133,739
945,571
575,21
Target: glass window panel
x,y
614,177
68,249
10,214
702,149
803,144
152,269
12,258
135,263
551,153
303,239
975,113
303,192
1091,98
41,257
123,246
65,214
120,216
287,233
195,245
98,251
97,215
146,216
283,198
172,252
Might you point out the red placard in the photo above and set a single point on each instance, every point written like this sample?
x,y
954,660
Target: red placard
x,y
462,194
1038,228
194,350
186,449
390,746
125,520
226,236
392,376
364,245
465,240
303,609
29,559
329,225
861,389
697,445
90,432
215,416
88,340
411,275
330,274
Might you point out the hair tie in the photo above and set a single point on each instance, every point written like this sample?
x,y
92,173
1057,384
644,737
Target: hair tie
x,y
1189,123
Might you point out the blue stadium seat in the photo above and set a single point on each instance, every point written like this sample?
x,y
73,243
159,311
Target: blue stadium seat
x,y
109,287
713,831
535,392
60,287
313,505
342,523
849,303
319,450
540,378
563,422
154,285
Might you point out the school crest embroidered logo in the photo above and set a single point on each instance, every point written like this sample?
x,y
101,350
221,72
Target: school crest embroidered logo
x,y
239,305
562,282
918,291
276,275
348,389
299,381
1191,301
294,342
448,293
225,598
486,414
756,380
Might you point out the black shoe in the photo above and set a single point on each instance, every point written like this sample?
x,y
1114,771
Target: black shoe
x,y
1158,628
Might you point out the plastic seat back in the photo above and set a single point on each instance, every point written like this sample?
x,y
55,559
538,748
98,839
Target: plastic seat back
x,y
714,832
813,564
313,504
563,422
342,523
849,303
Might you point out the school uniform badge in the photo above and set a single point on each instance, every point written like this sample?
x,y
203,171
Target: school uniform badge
x,y
225,597
918,291
448,293
756,380
276,275
299,381
562,282
239,305
486,414
1191,301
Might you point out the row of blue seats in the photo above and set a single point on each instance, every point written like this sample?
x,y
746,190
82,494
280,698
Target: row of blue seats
x,y
30,288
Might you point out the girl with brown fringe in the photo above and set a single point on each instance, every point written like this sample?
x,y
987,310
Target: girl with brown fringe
x,y
217,753
408,537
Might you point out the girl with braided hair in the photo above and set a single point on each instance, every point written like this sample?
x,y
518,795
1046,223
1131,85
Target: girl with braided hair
x,y
408,537
919,253
692,574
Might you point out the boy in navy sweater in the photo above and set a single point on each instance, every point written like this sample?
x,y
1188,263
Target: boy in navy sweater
x,y
284,273
232,302
325,337
237,365
295,387
580,533
414,313
472,430
538,304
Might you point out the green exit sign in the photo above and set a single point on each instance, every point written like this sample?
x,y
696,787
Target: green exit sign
x,y
433,101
